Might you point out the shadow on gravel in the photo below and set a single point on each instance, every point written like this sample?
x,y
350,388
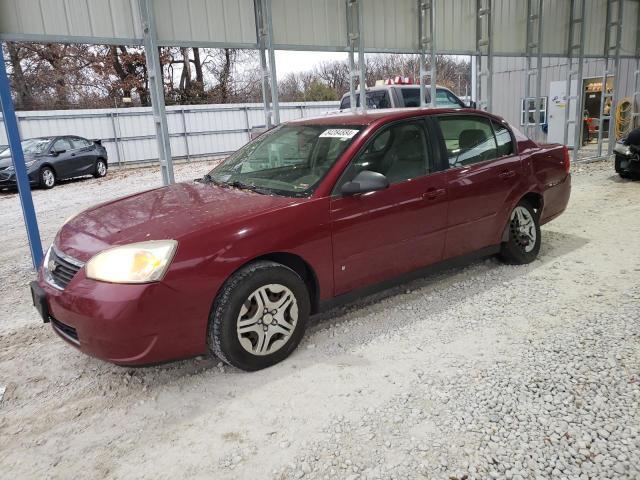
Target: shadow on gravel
x,y
60,183
555,245
618,179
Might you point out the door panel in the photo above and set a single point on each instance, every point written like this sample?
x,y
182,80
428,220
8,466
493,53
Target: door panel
x,y
63,162
380,235
83,157
483,170
478,193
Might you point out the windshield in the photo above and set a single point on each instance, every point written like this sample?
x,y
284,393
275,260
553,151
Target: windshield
x,y
32,146
290,160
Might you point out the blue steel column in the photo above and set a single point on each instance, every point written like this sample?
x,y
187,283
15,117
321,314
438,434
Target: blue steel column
x,y
13,135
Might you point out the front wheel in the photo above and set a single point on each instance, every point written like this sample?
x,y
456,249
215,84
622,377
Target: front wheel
x,y
259,316
47,177
525,237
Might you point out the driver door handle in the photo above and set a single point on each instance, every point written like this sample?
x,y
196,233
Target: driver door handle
x,y
434,193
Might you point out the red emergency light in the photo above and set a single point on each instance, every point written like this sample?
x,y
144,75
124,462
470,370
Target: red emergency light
x,y
398,80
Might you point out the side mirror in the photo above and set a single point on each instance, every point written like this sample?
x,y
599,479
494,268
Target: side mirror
x,y
55,153
472,104
365,181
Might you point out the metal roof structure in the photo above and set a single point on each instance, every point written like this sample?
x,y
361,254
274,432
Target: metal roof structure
x,y
388,26
608,29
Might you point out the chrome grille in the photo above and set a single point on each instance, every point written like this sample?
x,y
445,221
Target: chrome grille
x,y
61,269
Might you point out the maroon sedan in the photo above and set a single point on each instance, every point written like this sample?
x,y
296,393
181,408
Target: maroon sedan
x,y
309,213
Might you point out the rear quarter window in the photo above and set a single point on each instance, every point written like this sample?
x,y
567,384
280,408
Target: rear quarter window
x,y
503,139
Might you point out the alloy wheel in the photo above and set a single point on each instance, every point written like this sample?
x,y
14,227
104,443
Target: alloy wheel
x,y
523,228
267,319
48,177
102,169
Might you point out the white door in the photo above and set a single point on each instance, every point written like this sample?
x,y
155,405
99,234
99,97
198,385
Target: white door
x,y
557,114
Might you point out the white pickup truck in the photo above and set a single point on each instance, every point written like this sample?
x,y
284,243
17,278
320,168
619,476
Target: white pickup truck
x,y
404,96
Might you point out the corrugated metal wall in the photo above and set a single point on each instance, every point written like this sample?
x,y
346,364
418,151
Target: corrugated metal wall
x,y
303,23
509,75
129,134
71,18
307,24
205,21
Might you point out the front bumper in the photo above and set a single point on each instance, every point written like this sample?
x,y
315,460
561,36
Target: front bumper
x,y
123,324
8,179
628,164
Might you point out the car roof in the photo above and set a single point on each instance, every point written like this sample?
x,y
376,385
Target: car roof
x,y
382,116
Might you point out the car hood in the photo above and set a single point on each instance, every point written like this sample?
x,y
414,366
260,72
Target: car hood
x,y
171,212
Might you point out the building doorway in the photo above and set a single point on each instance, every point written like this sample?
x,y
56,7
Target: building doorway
x,y
593,92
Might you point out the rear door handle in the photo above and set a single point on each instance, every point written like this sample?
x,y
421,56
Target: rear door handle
x,y
434,193
507,174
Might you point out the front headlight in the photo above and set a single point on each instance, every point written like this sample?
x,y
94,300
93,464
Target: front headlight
x,y
622,149
135,263
11,168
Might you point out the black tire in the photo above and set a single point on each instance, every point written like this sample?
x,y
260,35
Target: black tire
x,y
222,334
514,250
100,169
622,171
47,178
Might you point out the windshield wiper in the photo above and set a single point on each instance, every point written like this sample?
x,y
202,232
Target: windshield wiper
x,y
248,186
235,184
209,179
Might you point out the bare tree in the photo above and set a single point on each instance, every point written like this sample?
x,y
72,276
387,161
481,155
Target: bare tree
x,y
24,98
128,66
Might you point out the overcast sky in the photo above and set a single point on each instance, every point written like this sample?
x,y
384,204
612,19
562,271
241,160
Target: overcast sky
x,y
292,61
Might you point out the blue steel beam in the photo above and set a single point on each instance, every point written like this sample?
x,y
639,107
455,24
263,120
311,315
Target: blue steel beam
x,y
13,135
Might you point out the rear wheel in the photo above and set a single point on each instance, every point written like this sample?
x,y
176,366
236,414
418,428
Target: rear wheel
x,y
47,177
101,168
259,316
524,240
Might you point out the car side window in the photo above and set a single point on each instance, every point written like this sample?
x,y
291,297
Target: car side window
x,y
411,97
378,99
504,140
62,144
78,142
399,152
446,99
469,139
345,103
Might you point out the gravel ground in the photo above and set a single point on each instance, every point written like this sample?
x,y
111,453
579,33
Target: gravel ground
x,y
490,371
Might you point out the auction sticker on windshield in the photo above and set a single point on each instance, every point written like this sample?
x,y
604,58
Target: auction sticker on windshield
x,y
343,133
